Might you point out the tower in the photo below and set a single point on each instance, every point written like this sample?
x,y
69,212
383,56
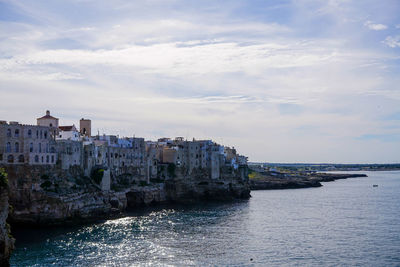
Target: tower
x,y
85,127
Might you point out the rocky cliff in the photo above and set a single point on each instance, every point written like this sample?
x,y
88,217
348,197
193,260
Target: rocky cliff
x,y
42,195
45,195
232,184
6,240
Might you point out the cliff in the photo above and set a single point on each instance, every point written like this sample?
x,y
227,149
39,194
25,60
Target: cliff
x,y
232,184
6,241
43,195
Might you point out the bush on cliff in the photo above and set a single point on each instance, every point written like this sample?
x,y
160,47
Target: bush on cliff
x,y
171,170
46,185
3,178
97,175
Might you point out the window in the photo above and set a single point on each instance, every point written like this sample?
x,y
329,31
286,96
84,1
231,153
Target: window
x,y
21,158
52,150
1,157
42,159
29,133
52,158
40,147
8,132
47,159
51,125
37,134
16,147
47,148
36,158
8,147
10,159
45,135
16,133
41,134
31,147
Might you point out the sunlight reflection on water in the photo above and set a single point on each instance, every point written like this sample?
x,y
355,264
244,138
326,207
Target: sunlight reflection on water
x,y
343,223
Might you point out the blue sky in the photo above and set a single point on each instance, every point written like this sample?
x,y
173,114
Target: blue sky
x,y
282,81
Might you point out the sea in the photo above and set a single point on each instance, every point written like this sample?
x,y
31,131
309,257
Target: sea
x,y
344,223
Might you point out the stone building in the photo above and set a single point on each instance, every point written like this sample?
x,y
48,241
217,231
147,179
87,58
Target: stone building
x,y
151,164
26,144
70,153
49,121
85,127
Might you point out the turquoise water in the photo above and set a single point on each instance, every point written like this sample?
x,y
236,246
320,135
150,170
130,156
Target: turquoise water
x,y
346,222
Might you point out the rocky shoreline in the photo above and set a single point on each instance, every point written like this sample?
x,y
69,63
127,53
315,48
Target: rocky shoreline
x,y
73,200
267,181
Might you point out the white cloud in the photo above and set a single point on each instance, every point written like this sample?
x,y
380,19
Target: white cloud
x,y
276,91
392,41
375,26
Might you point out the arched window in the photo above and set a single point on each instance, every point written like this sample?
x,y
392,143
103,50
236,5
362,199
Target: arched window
x,y
41,134
16,147
52,158
47,148
36,158
21,158
37,133
40,147
8,147
31,147
29,133
47,159
42,159
45,135
16,133
10,159
8,132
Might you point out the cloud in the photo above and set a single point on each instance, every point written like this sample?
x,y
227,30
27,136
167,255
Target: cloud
x,y
392,41
374,26
291,82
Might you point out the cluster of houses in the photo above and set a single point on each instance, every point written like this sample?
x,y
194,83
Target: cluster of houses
x,y
48,143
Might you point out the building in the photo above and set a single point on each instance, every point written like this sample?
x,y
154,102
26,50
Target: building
x,y
69,153
47,143
68,133
26,144
85,127
49,121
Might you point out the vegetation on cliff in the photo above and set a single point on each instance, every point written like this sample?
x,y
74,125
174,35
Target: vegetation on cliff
x,y
3,179
97,175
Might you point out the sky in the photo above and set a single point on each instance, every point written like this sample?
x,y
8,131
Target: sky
x,y
281,81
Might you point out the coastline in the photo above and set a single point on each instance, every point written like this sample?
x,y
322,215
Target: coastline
x,y
281,181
